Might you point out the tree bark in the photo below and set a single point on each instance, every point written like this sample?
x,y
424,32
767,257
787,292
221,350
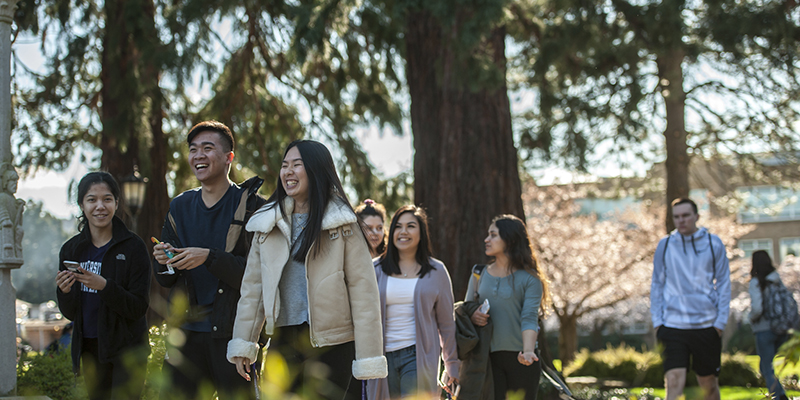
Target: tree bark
x,y
567,338
465,162
670,73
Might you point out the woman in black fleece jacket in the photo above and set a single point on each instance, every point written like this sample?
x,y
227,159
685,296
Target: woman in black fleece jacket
x,y
108,295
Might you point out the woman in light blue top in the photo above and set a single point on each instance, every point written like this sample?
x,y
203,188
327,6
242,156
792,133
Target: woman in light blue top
x,y
517,290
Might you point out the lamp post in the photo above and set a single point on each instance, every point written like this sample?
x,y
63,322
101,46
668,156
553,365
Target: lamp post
x,y
133,188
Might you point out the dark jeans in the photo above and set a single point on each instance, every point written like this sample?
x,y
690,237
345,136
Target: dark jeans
x,y
510,375
767,344
122,378
402,377
323,372
202,362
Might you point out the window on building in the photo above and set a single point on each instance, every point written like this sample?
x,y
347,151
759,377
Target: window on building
x,y
790,245
749,246
768,204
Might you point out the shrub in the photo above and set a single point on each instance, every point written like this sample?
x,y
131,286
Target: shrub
x,y
735,371
47,375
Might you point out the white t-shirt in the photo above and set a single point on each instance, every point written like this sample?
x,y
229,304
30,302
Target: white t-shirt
x,y
401,327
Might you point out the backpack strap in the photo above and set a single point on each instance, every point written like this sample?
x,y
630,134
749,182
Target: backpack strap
x,y
477,272
235,228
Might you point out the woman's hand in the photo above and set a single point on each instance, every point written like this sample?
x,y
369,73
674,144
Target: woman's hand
x,y
90,279
527,357
450,385
64,281
242,367
479,319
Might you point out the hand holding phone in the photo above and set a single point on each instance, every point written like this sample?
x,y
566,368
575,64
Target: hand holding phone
x,y
72,266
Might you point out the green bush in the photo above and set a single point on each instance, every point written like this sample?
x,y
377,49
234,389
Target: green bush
x,y
646,369
736,371
47,375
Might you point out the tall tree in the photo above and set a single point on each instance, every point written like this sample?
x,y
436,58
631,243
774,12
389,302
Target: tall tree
x,y
101,90
465,162
714,77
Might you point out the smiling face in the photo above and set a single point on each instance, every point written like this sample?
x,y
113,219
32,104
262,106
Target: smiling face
x,y
495,245
208,159
99,206
375,231
293,176
406,233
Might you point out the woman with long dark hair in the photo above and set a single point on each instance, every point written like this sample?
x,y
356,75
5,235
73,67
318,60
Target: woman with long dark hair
x,y
417,312
373,215
310,280
767,342
104,288
516,287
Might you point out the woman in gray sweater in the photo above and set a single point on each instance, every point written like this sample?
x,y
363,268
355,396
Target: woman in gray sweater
x,y
767,342
417,312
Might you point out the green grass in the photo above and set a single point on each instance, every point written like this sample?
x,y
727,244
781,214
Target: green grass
x,y
726,392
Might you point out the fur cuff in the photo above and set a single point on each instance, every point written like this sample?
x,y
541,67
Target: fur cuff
x,y
370,368
242,348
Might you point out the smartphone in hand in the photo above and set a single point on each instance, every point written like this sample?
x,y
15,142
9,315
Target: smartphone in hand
x,y
72,266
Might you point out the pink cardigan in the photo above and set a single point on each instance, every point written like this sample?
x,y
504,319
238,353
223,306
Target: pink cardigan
x,y
436,330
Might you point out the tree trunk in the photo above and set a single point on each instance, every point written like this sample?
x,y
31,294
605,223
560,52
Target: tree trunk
x,y
670,73
465,162
567,339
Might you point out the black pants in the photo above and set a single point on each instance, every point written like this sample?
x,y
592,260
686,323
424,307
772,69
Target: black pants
x,y
200,367
324,372
510,375
121,378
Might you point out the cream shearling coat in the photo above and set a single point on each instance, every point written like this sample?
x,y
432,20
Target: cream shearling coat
x,y
344,304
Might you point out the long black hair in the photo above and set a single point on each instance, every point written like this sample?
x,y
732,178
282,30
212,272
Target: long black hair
x,y
324,186
86,183
762,266
390,260
520,252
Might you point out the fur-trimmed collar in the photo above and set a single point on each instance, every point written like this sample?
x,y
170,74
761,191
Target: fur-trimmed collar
x,y
265,219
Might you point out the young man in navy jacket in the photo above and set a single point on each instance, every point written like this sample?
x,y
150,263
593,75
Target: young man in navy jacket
x,y
204,234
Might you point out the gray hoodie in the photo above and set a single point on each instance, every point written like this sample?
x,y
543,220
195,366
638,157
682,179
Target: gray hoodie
x,y
691,288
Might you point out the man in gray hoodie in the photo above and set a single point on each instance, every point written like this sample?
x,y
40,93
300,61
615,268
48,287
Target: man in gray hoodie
x,y
690,298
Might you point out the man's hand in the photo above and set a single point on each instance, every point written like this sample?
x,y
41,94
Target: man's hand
x,y
159,254
719,331
527,358
189,258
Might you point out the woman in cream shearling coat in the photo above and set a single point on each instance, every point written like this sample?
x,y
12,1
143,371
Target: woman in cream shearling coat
x,y
310,279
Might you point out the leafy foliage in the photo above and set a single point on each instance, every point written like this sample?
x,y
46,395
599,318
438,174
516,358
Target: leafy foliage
x,y
48,374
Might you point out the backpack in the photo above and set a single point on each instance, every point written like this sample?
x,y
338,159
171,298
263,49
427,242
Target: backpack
x,y
780,308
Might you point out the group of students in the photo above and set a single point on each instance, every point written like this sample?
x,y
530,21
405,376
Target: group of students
x,y
301,272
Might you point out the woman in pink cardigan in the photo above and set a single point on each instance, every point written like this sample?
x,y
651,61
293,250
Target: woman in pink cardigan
x,y
417,312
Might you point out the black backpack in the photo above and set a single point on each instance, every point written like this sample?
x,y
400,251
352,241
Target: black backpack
x,y
780,308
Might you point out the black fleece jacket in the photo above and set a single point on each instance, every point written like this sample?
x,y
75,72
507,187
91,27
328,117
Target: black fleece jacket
x,y
227,267
124,300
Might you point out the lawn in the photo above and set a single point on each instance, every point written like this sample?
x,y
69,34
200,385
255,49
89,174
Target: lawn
x,y
726,392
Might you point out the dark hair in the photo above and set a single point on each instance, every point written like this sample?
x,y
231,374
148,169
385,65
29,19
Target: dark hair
x,y
369,208
762,266
86,183
520,252
324,186
213,126
685,200
390,259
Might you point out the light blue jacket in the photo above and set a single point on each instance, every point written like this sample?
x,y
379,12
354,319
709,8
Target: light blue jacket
x,y
693,289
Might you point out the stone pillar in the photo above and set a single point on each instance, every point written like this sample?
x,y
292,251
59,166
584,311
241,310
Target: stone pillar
x,y
10,212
